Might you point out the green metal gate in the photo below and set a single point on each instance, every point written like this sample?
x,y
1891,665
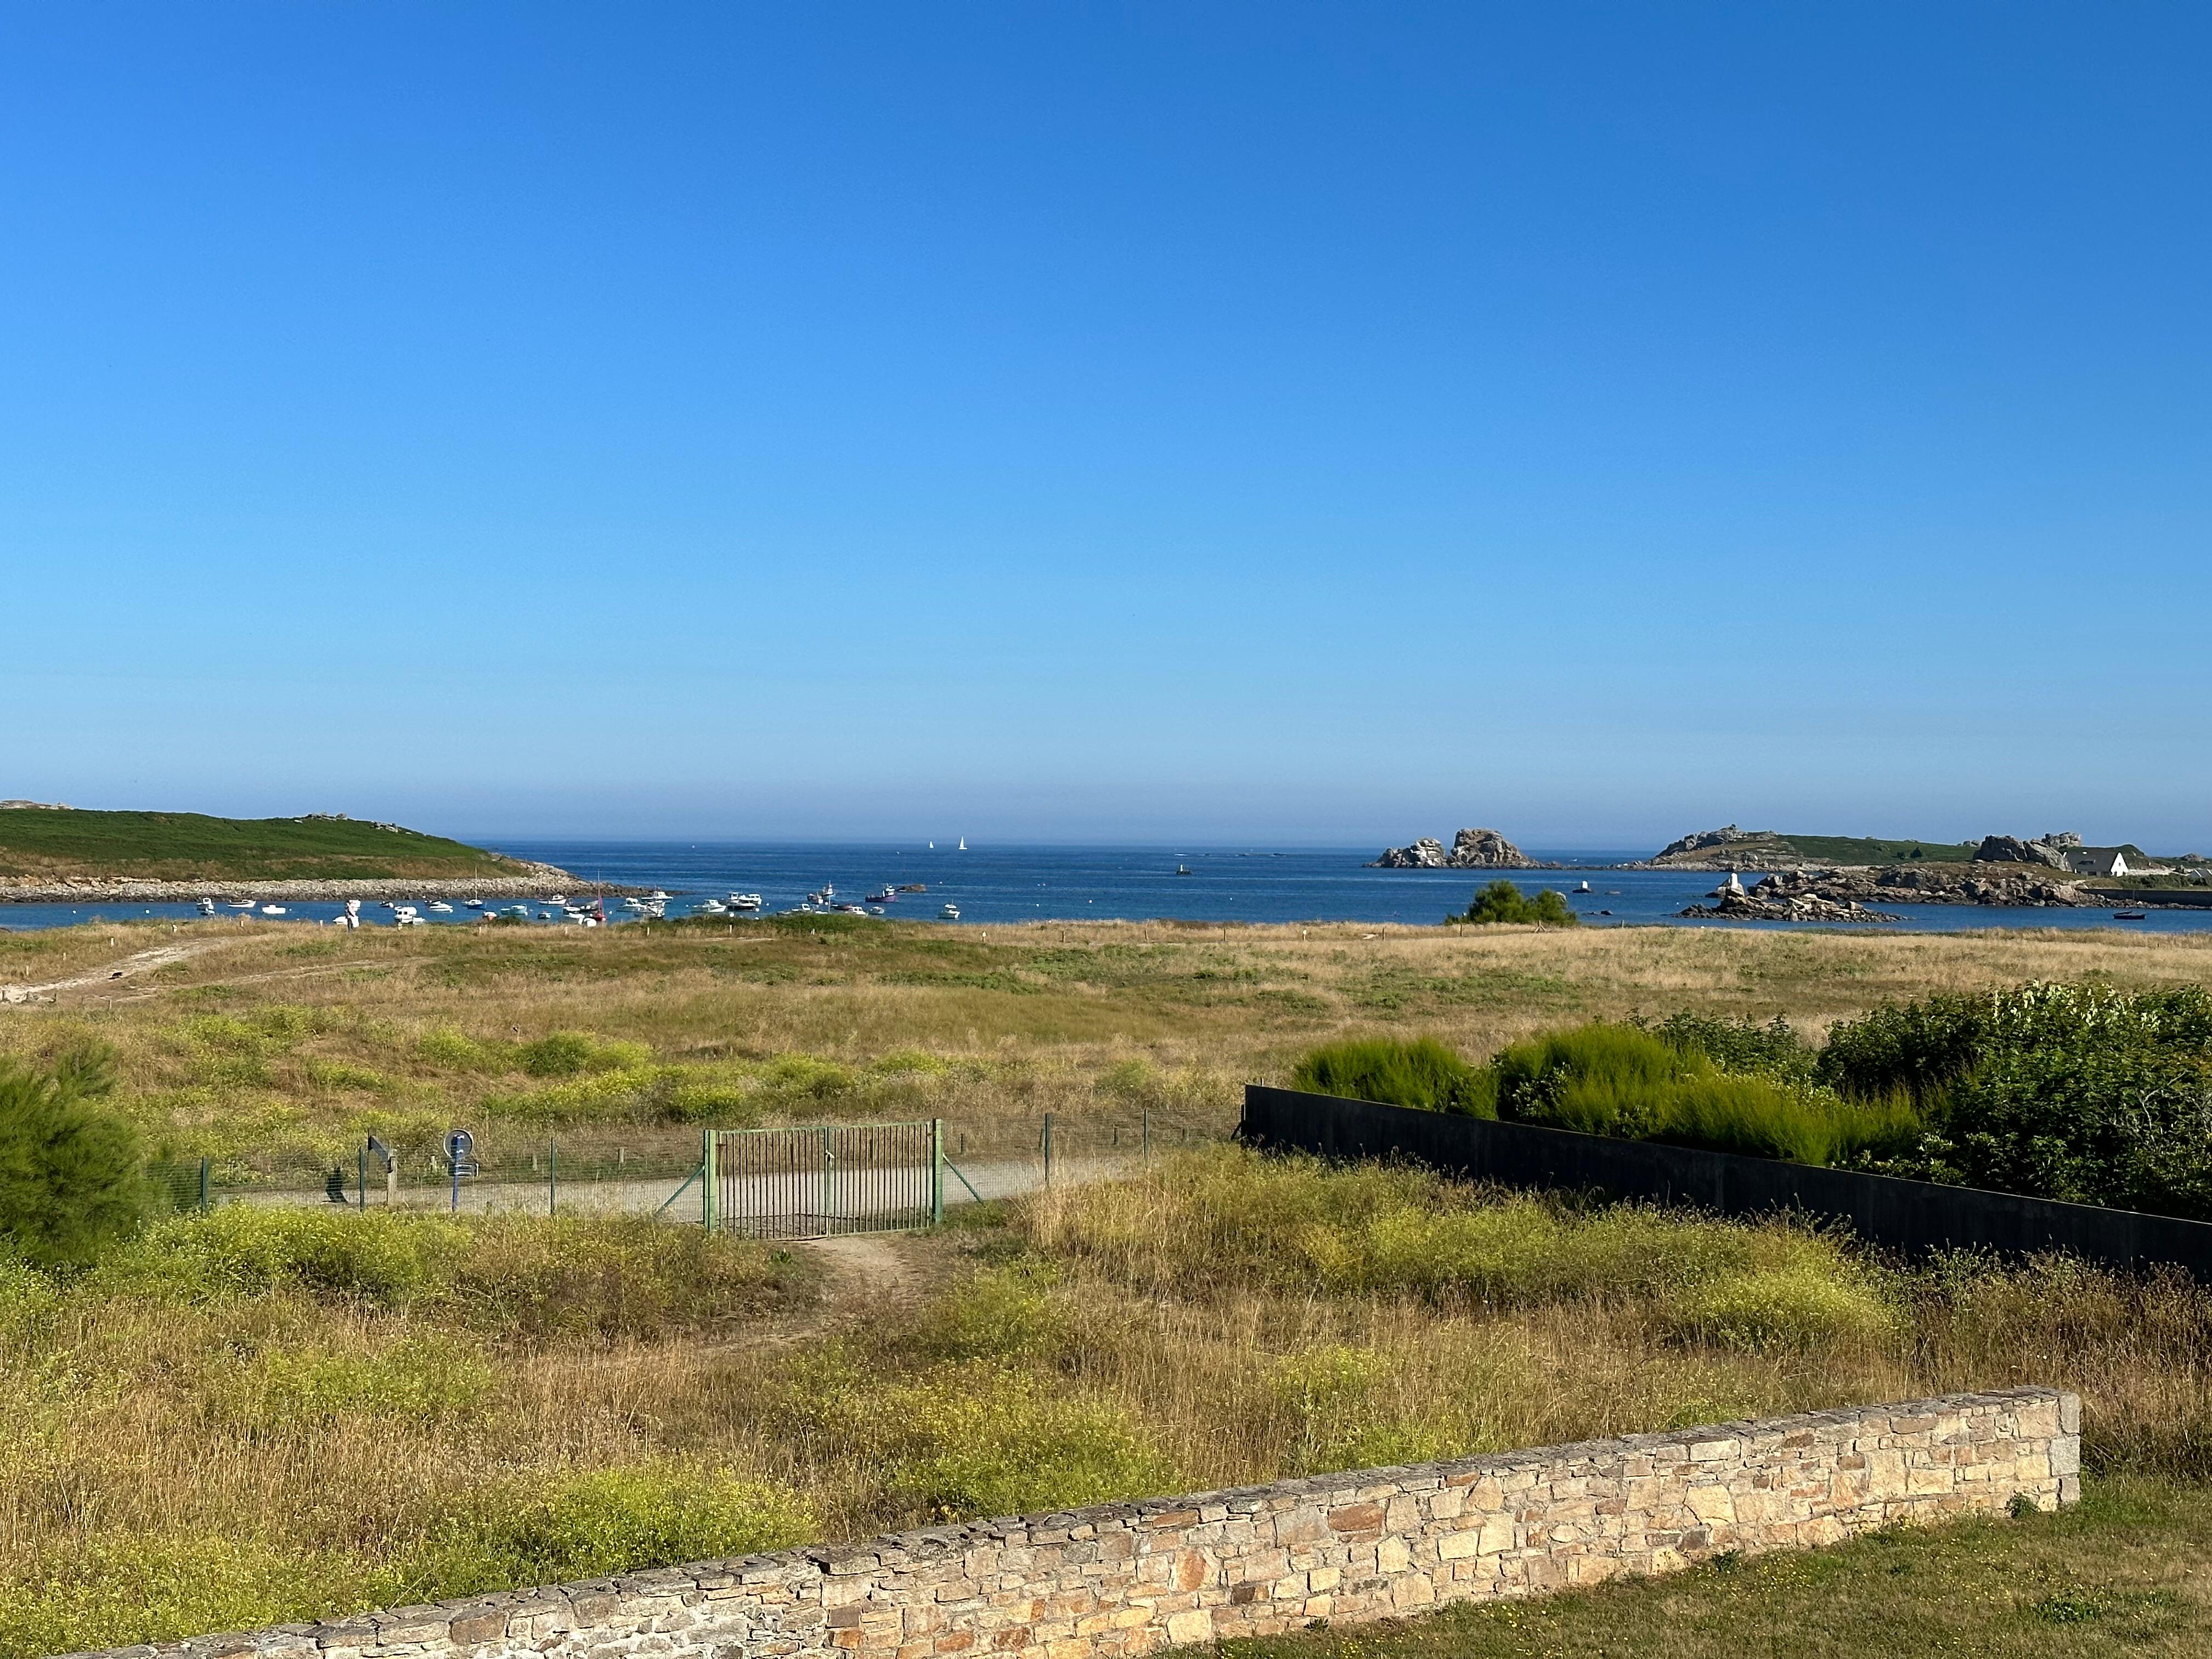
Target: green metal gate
x,y
823,1180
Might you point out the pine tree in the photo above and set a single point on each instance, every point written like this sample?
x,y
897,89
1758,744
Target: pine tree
x,y
72,1180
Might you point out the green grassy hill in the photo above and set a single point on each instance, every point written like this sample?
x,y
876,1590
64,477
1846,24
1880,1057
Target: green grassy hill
x,y
1771,848
1864,849
56,841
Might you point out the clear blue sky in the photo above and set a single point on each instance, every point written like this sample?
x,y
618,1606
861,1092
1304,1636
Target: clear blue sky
x,y
1049,422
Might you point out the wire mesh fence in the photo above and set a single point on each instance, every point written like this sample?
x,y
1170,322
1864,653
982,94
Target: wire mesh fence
x,y
658,1170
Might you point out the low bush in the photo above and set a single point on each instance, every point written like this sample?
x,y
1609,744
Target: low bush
x,y
515,1278
1398,1072
1204,1219
592,1524
1503,902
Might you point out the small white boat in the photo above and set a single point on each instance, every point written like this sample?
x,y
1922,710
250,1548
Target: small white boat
x,y
1583,888
852,911
207,907
963,845
240,904
1182,869
875,910
712,908
403,910
273,909
522,910
473,904
557,898
658,897
745,901
410,919
439,908
950,913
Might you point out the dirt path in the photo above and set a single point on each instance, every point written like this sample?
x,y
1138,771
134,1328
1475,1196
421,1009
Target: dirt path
x,y
144,962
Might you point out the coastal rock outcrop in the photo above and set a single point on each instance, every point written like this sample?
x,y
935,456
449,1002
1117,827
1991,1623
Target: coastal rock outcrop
x,y
1426,853
1471,849
1732,904
1727,836
1929,884
2051,850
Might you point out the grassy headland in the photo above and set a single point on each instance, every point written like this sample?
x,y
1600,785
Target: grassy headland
x,y
49,843
1772,847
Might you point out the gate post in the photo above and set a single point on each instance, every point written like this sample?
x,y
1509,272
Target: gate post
x,y
829,1180
707,1184
937,1172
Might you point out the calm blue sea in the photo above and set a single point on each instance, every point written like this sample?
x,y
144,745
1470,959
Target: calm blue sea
x,y
1225,883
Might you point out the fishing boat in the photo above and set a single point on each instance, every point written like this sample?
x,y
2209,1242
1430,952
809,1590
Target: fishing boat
x,y
207,907
950,913
884,897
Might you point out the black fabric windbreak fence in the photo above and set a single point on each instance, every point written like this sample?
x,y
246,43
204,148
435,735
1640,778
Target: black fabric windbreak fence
x,y
1906,1215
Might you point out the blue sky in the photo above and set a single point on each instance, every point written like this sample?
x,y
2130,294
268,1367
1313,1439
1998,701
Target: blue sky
x,y
1081,423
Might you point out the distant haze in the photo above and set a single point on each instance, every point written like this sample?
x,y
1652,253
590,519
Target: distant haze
x,y
1244,423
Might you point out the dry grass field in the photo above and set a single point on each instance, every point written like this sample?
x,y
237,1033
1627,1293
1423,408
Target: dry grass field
x,y
268,1414
276,1045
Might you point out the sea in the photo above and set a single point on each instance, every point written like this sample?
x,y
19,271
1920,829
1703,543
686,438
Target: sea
x,y
1001,885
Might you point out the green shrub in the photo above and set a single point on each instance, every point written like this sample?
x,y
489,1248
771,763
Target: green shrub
x,y
1503,902
1419,1071
570,1054
1626,1081
1799,1305
2079,1092
425,1379
595,1524
1740,1045
72,1179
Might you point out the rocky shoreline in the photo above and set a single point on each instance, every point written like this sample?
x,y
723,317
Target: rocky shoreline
x,y
536,884
1931,884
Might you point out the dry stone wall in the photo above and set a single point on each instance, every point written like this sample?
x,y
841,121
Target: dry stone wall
x,y
1132,1578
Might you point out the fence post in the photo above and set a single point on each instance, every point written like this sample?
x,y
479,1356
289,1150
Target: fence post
x,y
828,1169
1147,1133
204,1182
706,1181
552,1174
937,1172
1048,1149
360,1179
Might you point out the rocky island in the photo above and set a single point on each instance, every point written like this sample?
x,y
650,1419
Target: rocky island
x,y
1471,849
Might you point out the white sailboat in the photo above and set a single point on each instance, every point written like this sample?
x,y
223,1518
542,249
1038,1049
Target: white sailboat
x,y
963,844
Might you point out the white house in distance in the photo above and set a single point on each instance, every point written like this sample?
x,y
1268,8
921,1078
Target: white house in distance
x,y
2111,862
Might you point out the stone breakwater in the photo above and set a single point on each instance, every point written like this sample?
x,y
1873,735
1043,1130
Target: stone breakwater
x,y
1132,1578
129,891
